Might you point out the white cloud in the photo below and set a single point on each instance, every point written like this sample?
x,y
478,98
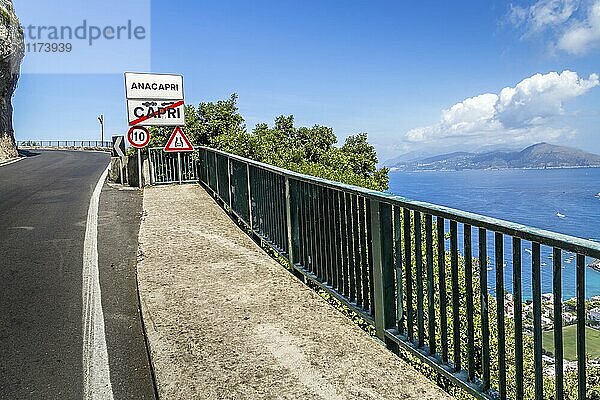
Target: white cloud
x,y
543,14
572,26
523,113
540,96
471,114
582,35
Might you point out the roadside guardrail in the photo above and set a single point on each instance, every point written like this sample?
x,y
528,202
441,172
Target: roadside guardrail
x,y
64,144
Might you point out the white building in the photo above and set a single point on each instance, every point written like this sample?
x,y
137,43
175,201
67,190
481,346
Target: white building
x,y
547,297
547,323
594,314
569,318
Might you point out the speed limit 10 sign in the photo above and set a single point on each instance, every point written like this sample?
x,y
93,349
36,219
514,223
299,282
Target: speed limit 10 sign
x,y
138,137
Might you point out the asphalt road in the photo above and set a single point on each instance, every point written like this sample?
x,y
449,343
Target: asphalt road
x,y
44,201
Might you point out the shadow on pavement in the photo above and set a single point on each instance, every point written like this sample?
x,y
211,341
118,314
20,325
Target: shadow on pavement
x,y
27,153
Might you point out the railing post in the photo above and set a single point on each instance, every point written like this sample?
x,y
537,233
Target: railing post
x,y
151,166
383,267
288,221
202,167
581,319
229,182
558,326
249,198
204,161
199,166
399,268
216,175
292,222
207,168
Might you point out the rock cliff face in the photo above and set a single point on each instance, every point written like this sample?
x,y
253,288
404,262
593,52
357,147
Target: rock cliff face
x,y
11,54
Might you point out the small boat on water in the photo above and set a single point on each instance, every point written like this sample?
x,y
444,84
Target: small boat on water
x,y
597,195
559,215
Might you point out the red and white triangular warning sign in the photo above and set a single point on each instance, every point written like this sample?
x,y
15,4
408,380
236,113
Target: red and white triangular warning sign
x,y
178,142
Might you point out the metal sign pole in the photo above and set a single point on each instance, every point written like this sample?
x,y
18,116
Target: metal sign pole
x,y
140,167
179,165
121,169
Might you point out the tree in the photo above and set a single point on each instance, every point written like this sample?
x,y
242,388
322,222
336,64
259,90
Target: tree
x,y
362,156
308,150
363,159
12,49
315,142
213,119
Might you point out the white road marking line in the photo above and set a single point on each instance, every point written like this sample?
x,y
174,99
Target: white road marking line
x,y
96,371
25,228
12,162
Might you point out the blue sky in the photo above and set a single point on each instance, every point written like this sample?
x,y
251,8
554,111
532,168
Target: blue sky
x,y
400,71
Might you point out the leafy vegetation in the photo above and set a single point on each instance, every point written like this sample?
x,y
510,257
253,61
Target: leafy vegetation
x,y
307,150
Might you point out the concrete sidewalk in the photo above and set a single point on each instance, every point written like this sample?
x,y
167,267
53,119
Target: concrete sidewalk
x,y
225,321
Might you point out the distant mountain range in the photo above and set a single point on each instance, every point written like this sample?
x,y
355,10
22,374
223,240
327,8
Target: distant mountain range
x,y
541,155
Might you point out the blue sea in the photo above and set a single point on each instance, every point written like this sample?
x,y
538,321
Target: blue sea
x,y
559,200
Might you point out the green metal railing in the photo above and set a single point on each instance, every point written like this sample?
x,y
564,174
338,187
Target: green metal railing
x,y
167,168
419,273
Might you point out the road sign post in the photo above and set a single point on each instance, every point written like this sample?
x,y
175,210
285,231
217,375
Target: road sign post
x,y
101,120
139,151
179,165
139,137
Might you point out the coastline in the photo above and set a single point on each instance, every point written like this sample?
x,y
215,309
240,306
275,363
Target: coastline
x,y
395,169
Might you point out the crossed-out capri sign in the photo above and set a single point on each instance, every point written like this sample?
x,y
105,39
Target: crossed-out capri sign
x,y
154,99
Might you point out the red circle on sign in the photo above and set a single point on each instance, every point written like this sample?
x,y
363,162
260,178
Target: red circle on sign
x,y
138,137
